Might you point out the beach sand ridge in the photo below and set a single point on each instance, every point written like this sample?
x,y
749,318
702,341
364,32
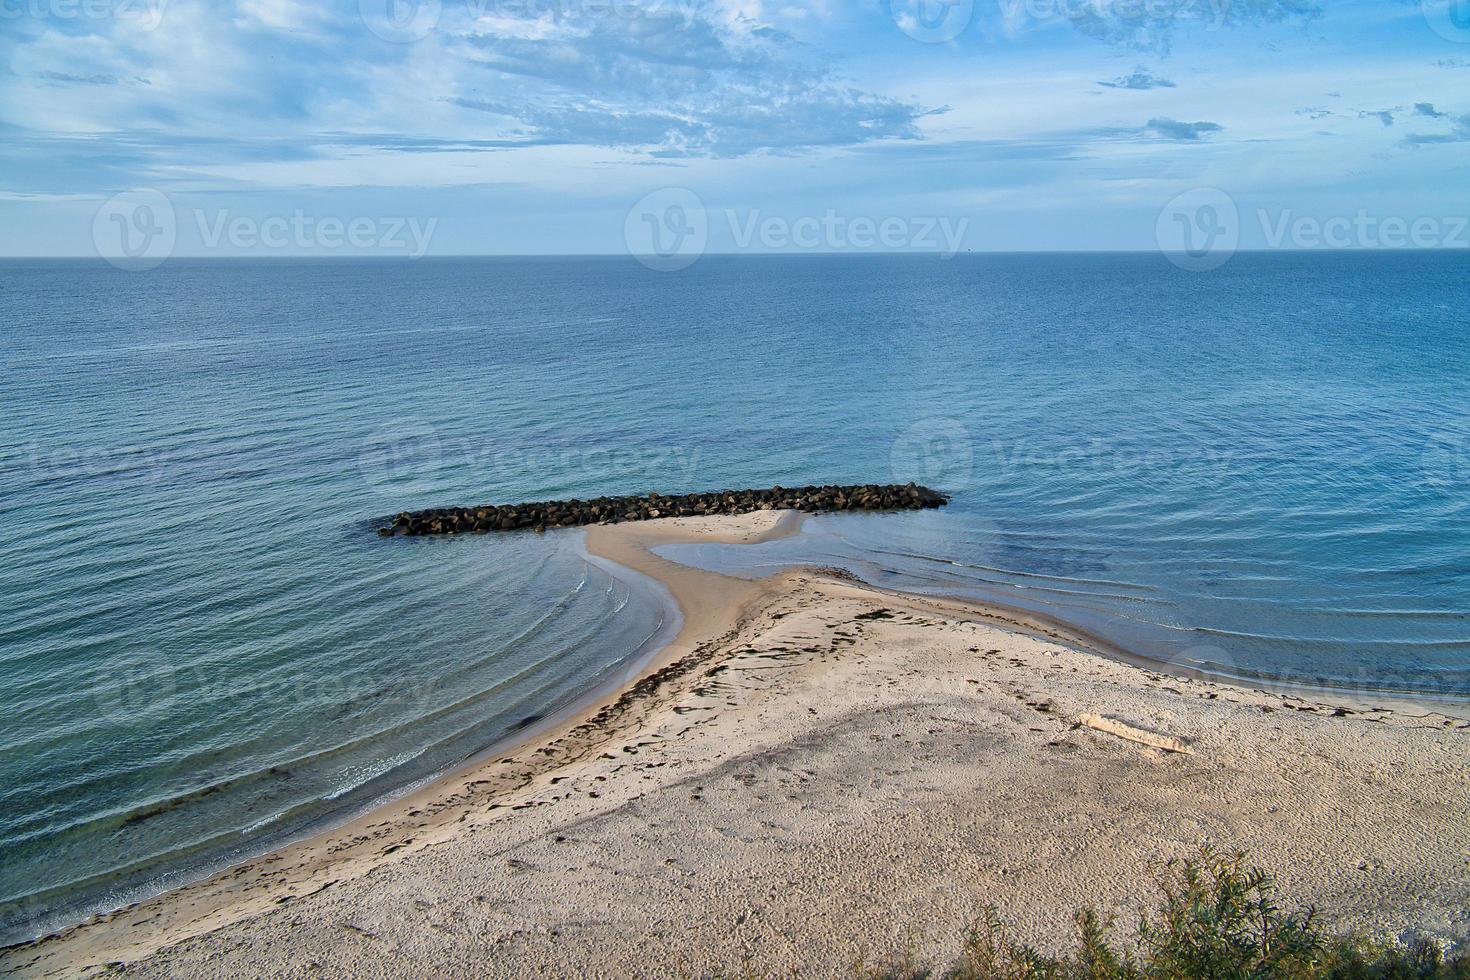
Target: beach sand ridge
x,y
817,773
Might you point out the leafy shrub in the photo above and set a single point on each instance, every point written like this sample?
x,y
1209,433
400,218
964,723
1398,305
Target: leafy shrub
x,y
1216,919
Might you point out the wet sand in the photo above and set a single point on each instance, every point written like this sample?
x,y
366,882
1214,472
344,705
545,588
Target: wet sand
x,y
816,773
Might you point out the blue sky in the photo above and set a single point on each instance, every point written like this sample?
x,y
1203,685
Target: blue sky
x,y
538,126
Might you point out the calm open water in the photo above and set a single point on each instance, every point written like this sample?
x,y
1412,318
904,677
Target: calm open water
x,y
1263,470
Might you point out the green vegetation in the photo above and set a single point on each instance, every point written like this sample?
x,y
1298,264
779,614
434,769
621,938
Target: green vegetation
x,y
1216,920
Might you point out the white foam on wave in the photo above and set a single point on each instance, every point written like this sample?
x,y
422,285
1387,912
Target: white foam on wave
x,y
353,777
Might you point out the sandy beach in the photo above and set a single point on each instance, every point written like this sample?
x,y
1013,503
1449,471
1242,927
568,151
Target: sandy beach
x,y
815,774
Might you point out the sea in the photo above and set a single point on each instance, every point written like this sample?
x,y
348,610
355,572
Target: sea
x,y
1261,472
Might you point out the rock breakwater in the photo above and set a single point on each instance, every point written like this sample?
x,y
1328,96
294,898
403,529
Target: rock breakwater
x,y
612,510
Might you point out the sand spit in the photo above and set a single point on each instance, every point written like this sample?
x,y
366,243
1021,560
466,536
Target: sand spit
x,y
816,773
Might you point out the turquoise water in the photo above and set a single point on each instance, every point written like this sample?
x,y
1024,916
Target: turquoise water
x,y
205,650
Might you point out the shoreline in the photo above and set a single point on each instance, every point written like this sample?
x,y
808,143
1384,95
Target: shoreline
x,y
319,850
514,777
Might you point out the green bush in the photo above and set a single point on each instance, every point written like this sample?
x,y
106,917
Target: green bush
x,y
1216,920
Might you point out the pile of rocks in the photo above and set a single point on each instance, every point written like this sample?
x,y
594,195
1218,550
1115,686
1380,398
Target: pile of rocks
x,y
613,510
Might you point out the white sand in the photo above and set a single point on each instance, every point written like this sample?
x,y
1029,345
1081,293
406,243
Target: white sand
x,y
817,773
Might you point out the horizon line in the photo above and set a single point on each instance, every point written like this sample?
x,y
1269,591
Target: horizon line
x,y
797,253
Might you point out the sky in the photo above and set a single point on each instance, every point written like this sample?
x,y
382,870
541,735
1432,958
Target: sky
x,y
673,128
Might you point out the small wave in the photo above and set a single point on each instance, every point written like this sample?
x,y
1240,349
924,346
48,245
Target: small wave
x,y
1323,640
1068,579
355,777
972,580
263,822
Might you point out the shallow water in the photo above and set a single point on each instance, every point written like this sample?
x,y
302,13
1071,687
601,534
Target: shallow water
x,y
204,648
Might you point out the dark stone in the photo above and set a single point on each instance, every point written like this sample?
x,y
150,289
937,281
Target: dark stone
x,y
610,510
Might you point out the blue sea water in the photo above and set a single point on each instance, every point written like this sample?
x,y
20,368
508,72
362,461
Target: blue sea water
x,y
205,650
